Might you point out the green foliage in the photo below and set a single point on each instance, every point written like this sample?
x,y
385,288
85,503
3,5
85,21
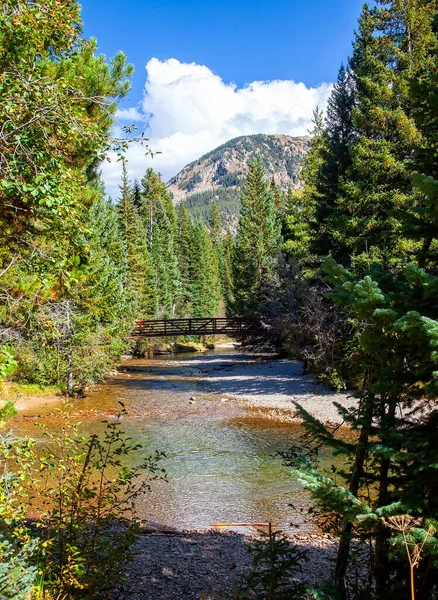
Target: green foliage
x,y
160,223
8,364
88,523
275,561
227,200
59,100
82,493
17,547
140,273
257,243
396,345
62,269
205,285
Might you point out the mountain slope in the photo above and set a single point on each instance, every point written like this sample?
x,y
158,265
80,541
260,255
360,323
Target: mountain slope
x,y
219,174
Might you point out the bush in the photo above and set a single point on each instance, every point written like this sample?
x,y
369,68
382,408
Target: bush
x,y
275,561
86,522
89,521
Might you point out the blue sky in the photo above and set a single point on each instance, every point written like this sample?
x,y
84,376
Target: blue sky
x,y
221,53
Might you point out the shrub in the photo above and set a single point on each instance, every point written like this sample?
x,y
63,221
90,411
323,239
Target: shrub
x,y
88,524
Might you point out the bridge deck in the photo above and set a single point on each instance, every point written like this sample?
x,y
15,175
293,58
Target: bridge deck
x,y
235,326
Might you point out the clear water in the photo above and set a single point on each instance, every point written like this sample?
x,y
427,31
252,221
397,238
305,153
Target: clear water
x,y
222,458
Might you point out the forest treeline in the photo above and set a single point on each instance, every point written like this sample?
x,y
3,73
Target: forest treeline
x,y
347,265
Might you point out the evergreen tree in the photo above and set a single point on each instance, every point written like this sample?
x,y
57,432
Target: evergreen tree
x,y
229,249
334,145
160,222
297,231
140,273
396,340
205,285
184,253
278,196
215,223
103,313
300,226
390,49
421,220
257,244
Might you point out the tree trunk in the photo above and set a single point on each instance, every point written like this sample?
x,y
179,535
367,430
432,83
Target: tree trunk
x,y
356,476
381,565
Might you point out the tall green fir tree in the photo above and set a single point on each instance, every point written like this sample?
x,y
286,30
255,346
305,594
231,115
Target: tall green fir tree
x,y
205,284
141,278
184,252
390,50
258,243
160,222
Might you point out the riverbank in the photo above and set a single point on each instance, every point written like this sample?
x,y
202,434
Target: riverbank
x,y
208,565
275,386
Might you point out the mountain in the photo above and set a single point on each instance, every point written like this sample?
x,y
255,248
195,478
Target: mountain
x,y
219,174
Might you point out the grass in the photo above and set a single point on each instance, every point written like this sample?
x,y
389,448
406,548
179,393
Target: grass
x,y
11,390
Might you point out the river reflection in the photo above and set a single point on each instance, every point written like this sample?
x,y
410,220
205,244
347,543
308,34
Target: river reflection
x,y
222,458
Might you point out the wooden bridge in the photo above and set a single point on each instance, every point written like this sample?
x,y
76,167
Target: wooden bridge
x,y
234,327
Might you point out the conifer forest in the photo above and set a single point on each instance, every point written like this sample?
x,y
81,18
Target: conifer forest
x,y
339,262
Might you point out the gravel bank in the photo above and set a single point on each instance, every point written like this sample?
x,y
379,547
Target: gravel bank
x,y
205,566
263,382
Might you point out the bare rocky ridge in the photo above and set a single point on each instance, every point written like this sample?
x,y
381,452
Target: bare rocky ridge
x,y
221,173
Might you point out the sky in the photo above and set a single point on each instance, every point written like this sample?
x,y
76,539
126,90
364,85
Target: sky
x,y
206,72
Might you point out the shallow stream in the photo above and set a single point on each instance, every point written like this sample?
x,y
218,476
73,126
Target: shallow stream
x,y
222,462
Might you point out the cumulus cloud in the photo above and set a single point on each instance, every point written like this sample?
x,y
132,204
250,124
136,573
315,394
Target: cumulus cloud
x,y
188,110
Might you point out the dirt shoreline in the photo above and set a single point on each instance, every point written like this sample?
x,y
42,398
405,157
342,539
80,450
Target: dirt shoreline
x,y
265,382
193,565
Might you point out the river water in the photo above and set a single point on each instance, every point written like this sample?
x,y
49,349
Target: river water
x,y
222,457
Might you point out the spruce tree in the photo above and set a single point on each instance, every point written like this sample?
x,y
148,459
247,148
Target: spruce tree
x,y
229,249
215,223
421,220
337,138
140,274
160,222
184,253
258,243
390,49
395,344
103,309
205,285
278,196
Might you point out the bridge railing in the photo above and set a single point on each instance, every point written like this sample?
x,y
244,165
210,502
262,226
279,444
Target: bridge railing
x,y
198,326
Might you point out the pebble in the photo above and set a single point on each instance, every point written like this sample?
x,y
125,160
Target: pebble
x,y
209,564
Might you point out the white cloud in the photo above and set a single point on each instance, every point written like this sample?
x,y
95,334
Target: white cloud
x,y
189,110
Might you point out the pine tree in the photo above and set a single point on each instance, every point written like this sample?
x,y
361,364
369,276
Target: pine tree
x,y
140,274
160,222
300,226
229,249
298,233
103,309
184,253
216,235
257,244
278,196
421,220
396,340
337,138
390,49
205,285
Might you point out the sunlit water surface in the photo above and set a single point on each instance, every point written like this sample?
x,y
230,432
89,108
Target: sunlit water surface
x,y
222,458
